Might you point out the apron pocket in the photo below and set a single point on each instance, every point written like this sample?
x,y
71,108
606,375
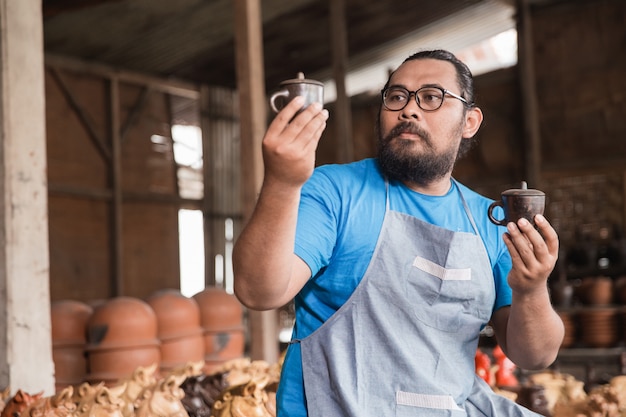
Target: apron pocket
x,y
411,403
440,296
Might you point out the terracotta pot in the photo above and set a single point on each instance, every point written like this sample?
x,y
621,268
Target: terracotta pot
x,y
179,328
177,315
221,315
596,291
69,319
109,365
68,323
599,327
570,329
601,292
620,289
218,309
121,335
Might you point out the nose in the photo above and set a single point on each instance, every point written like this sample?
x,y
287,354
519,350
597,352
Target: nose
x,y
411,110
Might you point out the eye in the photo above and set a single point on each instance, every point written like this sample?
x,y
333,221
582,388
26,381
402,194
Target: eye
x,y
430,95
396,96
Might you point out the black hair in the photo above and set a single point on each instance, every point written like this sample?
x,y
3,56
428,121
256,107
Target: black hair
x,y
463,74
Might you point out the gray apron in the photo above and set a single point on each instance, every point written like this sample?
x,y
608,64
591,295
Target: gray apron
x,y
404,342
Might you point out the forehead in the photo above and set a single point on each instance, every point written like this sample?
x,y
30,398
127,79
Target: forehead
x,y
416,73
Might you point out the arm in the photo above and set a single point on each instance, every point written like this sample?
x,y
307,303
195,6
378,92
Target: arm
x,y
267,272
529,331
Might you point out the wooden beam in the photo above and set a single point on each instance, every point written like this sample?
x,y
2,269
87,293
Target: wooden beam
x,y
26,361
343,112
82,115
532,131
117,237
263,326
170,86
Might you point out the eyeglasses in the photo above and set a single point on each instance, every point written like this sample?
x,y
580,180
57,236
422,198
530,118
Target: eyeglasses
x,y
427,98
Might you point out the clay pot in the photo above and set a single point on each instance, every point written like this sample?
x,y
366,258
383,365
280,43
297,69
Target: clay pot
x,y
570,329
69,320
596,291
121,336
221,316
599,327
561,294
620,289
179,328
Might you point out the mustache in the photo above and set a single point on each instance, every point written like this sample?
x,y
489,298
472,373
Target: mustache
x,y
408,127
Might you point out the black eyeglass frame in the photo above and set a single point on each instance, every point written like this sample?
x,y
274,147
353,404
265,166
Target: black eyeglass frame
x,y
414,94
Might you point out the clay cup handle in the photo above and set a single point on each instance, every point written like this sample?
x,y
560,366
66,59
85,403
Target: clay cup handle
x,y
493,205
281,93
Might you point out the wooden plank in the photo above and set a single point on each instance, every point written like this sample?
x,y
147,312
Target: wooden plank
x,y
263,326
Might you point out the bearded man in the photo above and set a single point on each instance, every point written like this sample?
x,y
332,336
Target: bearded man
x,y
393,265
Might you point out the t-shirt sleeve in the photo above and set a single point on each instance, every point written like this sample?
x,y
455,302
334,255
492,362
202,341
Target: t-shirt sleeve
x,y
316,231
500,273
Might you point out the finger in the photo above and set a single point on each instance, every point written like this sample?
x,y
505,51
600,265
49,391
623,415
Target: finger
x,y
548,234
281,121
517,234
302,120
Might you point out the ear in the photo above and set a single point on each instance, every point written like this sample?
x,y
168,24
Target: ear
x,y
473,120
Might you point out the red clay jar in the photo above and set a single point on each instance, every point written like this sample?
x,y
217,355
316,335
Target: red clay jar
x,y
599,327
601,292
121,336
179,328
69,320
221,316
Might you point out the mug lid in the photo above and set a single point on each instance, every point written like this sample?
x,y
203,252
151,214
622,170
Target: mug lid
x,y
300,79
524,190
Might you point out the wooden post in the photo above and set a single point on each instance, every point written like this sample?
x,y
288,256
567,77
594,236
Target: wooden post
x,y
263,326
343,113
532,132
117,238
25,327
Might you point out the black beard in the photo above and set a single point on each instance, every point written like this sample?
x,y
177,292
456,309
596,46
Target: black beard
x,y
398,160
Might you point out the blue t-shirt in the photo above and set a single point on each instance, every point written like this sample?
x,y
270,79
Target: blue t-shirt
x,y
339,220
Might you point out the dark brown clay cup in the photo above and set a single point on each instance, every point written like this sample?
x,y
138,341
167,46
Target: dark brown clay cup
x,y
311,90
518,203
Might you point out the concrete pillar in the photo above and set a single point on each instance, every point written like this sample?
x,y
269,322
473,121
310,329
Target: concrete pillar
x,y
25,336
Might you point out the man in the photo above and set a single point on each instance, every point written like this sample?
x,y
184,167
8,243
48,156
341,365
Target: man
x,y
394,266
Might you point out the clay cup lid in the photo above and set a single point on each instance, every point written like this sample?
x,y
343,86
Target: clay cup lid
x,y
299,80
523,191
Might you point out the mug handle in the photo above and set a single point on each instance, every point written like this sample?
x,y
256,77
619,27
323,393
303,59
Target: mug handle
x,y
281,93
490,213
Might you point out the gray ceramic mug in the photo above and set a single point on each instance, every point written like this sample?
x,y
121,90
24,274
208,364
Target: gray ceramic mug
x,y
311,90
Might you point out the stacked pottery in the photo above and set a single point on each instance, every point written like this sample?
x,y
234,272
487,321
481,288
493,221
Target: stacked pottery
x,y
68,320
122,336
599,327
179,329
599,322
222,320
570,329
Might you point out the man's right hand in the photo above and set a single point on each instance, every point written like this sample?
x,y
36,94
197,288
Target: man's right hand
x,y
290,143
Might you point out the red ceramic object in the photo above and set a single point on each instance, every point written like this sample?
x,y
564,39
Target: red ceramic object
x,y
69,320
599,327
222,320
121,336
179,328
218,309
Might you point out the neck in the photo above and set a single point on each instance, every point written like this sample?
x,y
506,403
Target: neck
x,y
435,188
